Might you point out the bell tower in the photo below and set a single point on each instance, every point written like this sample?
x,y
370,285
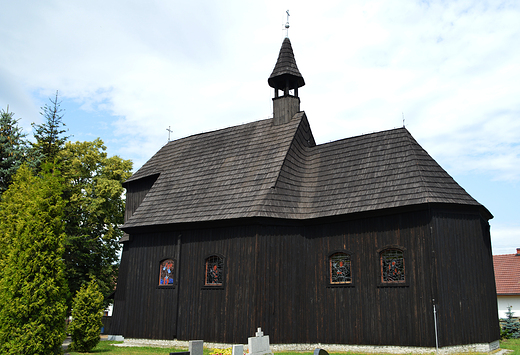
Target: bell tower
x,y
285,78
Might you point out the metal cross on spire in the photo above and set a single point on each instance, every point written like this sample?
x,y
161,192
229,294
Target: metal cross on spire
x,y
287,24
169,131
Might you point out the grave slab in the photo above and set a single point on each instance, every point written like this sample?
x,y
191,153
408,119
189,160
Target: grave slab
x,y
196,347
259,344
238,350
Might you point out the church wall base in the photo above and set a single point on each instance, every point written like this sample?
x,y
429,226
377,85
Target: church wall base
x,y
372,349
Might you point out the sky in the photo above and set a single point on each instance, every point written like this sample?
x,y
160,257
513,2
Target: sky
x,y
127,71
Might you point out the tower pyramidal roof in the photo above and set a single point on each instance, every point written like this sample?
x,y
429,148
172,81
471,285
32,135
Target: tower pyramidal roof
x,y
286,71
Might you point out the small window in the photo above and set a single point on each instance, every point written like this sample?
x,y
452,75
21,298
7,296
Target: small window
x,y
166,272
214,271
392,266
339,269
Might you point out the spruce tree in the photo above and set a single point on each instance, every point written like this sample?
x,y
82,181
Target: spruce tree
x,y
49,135
511,326
13,148
32,281
87,314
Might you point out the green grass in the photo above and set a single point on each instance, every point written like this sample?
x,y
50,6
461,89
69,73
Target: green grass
x,y
513,344
108,348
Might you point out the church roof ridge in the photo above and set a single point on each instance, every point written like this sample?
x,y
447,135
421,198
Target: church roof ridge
x,y
263,170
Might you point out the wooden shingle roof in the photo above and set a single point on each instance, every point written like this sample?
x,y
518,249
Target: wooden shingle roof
x,y
285,70
262,170
507,274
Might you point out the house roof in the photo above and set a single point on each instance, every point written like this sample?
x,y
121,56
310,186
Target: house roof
x,y
507,273
262,170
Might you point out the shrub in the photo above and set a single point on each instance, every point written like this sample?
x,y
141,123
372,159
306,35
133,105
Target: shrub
x,y
87,313
32,279
511,327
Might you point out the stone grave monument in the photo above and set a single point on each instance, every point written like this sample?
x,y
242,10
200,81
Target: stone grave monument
x,y
196,347
259,344
238,350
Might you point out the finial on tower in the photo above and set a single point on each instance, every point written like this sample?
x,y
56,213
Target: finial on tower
x,y
287,25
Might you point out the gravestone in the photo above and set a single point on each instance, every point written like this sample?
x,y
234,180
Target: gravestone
x,y
115,338
238,350
196,347
259,344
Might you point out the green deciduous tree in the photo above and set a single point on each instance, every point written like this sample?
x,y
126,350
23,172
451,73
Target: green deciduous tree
x,y
13,148
32,281
87,313
49,134
94,210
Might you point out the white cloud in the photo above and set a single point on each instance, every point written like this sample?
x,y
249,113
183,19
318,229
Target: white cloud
x,y
451,67
501,240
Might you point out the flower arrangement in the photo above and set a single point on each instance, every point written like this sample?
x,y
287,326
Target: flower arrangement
x,y
227,351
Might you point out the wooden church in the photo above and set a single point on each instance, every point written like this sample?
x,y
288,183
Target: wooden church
x,y
365,240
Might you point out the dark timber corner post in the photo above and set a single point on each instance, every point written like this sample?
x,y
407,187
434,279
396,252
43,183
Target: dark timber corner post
x,y
285,77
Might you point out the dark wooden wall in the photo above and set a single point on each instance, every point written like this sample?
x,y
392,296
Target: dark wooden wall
x,y
142,309
276,277
465,280
136,191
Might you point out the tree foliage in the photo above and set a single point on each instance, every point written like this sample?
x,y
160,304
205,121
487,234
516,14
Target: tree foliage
x,y
91,188
511,327
95,209
87,314
32,280
13,148
49,134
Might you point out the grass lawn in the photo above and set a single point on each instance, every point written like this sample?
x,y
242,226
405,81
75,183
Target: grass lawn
x,y
107,347
513,344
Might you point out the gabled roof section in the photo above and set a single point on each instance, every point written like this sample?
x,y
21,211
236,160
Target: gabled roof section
x,y
507,274
262,170
223,174
376,171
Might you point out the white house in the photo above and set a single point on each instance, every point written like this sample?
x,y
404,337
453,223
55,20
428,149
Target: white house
x,y
507,278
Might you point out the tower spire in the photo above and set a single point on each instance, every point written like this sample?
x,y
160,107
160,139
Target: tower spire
x,y
287,78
